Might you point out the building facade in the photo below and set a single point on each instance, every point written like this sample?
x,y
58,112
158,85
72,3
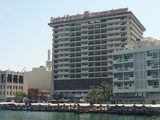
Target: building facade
x,y
137,72
83,46
10,83
40,77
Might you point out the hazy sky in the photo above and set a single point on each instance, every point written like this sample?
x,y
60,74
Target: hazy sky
x,y
25,35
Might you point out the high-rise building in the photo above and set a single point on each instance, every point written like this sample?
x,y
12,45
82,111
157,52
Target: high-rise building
x,y
83,46
137,72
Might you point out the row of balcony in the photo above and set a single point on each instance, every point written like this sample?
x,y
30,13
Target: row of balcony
x,y
85,42
123,60
93,32
123,70
122,89
79,66
81,48
149,77
124,79
83,71
97,58
152,57
109,36
100,22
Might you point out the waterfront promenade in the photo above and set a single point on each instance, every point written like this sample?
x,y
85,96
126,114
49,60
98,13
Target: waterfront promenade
x,y
78,108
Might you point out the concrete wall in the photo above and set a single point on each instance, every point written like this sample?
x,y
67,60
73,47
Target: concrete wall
x,y
39,78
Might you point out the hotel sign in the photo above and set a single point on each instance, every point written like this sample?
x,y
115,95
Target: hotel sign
x,y
86,15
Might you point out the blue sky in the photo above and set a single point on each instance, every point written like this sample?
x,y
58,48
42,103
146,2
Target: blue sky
x,y
25,35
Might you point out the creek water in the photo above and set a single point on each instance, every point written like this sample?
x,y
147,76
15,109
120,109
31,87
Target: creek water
x,y
24,115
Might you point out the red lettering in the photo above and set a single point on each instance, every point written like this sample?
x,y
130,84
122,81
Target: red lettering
x,y
87,14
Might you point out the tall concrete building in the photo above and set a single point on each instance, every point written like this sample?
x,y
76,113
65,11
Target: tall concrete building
x,y
10,83
83,46
137,73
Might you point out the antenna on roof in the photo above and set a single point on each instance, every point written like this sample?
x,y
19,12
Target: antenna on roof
x,y
106,4
23,69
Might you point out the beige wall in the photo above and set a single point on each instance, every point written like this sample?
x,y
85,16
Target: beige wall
x,y
39,78
8,89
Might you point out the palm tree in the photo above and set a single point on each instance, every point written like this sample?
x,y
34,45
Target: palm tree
x,y
93,94
106,90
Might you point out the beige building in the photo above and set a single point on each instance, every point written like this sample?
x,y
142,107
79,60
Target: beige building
x,y
10,83
83,46
40,77
136,72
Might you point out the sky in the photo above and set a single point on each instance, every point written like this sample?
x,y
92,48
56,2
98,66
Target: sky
x,y
25,36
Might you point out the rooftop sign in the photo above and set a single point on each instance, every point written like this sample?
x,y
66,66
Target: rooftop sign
x,y
86,15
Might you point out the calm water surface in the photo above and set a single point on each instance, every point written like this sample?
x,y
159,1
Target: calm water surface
x,y
23,115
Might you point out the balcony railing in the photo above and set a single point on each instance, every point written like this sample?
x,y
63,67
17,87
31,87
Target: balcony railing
x,y
123,89
153,88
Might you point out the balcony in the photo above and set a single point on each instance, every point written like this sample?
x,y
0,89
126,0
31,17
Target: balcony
x,y
117,61
128,60
154,88
117,70
84,39
84,44
152,77
63,72
84,50
110,70
117,78
129,78
123,89
84,60
61,46
150,67
109,53
84,55
84,77
63,42
110,59
152,56
128,69
62,27
84,24
63,37
84,71
84,34
63,67
84,66
63,56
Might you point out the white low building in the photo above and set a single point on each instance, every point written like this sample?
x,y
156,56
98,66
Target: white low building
x,y
10,83
137,72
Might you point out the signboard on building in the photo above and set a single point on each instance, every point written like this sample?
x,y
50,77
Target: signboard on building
x,y
87,14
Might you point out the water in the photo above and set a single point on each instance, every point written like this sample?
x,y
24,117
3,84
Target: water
x,y
23,115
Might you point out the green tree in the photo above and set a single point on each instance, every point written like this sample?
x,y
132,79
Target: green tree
x,y
99,93
105,90
19,96
94,94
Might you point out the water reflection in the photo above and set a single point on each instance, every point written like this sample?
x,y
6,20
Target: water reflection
x,y
23,115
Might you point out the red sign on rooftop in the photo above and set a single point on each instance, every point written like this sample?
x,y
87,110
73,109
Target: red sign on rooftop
x,y
87,14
